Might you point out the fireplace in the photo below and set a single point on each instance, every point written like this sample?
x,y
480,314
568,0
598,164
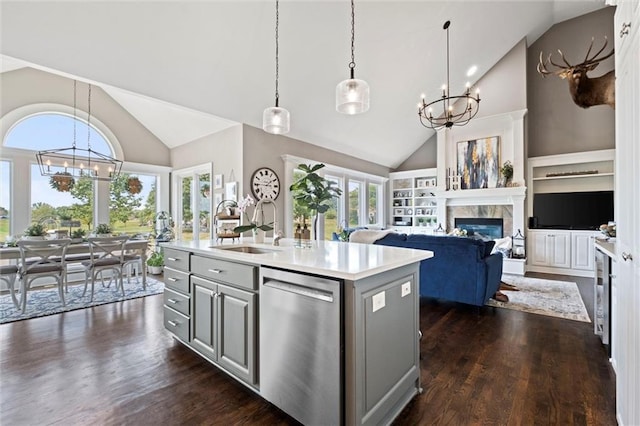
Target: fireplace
x,y
486,228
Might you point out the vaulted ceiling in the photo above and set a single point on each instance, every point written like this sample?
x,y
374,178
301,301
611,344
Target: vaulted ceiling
x,y
190,68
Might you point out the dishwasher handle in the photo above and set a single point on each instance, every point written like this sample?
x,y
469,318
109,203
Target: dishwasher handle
x,y
314,293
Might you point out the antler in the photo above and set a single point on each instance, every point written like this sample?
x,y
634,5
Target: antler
x,y
588,63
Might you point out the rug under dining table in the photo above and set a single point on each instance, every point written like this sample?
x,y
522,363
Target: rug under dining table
x,y
43,302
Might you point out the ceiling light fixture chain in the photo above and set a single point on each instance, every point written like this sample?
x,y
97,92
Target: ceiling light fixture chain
x,y
277,50
450,116
352,64
276,120
89,119
352,95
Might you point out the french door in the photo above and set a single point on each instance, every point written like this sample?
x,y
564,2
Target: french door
x,y
192,203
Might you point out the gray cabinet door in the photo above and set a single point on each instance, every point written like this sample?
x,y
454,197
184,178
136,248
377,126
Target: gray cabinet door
x,y
204,320
236,334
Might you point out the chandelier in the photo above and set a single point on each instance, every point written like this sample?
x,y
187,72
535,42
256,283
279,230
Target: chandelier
x,y
65,165
352,95
450,110
275,119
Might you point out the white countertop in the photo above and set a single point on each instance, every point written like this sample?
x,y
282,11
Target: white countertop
x,y
350,261
607,247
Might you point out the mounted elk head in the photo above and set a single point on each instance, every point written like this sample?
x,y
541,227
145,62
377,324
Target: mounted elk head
x,y
585,91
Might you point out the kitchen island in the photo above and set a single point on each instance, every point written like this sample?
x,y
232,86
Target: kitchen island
x,y
329,333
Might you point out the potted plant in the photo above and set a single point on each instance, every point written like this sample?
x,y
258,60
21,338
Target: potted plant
x,y
35,232
314,192
155,262
507,171
103,230
77,235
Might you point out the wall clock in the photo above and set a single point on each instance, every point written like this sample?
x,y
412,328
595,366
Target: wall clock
x,y
265,184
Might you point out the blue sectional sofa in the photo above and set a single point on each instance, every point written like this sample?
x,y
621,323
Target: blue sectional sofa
x,y
461,270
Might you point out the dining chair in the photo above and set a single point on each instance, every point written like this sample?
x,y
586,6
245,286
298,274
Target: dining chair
x,y
107,254
133,261
8,274
42,259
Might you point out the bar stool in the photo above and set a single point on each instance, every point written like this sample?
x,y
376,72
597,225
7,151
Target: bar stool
x,y
8,274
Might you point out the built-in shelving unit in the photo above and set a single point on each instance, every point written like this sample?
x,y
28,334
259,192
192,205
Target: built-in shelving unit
x,y
575,172
414,206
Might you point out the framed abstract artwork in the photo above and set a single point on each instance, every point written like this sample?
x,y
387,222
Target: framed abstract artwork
x,y
479,163
231,191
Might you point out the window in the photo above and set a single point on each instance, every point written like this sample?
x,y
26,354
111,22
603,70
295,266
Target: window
x,y
355,191
132,203
32,196
54,130
68,207
361,202
5,199
374,203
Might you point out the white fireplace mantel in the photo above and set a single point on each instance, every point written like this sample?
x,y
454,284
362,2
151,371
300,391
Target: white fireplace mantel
x,y
483,197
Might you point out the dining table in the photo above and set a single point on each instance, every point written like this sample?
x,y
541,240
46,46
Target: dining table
x,y
138,246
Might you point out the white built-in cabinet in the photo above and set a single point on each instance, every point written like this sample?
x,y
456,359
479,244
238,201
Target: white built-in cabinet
x,y
561,251
550,248
413,206
626,314
583,250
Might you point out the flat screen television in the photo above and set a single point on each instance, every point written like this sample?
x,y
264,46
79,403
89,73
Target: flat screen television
x,y
573,210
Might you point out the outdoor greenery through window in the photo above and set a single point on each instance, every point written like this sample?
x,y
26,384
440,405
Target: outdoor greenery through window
x,y
5,199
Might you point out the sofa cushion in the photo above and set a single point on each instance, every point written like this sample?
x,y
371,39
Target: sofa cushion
x,y
488,247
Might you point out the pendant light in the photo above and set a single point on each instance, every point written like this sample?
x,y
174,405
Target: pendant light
x,y
65,165
352,95
451,110
276,120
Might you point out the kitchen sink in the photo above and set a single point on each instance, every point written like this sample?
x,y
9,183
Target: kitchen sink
x,y
246,249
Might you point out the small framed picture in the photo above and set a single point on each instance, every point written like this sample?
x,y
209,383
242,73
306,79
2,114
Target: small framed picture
x,y
421,183
231,191
218,181
419,211
217,199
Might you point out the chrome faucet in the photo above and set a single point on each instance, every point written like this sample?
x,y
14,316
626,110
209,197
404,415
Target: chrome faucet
x,y
259,207
277,237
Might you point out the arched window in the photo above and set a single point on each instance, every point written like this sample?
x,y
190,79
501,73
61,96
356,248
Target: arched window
x,y
129,202
55,130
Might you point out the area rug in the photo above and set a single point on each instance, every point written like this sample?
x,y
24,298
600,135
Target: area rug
x,y
46,302
545,297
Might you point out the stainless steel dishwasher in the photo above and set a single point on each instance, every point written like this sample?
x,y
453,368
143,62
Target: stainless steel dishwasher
x,y
301,346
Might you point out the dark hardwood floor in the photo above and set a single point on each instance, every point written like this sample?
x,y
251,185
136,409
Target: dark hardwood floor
x,y
115,364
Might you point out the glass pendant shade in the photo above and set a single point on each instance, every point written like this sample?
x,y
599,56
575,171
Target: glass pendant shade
x,y
275,120
352,96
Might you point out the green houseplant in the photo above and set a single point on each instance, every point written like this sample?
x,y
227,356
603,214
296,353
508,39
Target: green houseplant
x,y
314,192
35,231
155,262
507,171
78,234
103,229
